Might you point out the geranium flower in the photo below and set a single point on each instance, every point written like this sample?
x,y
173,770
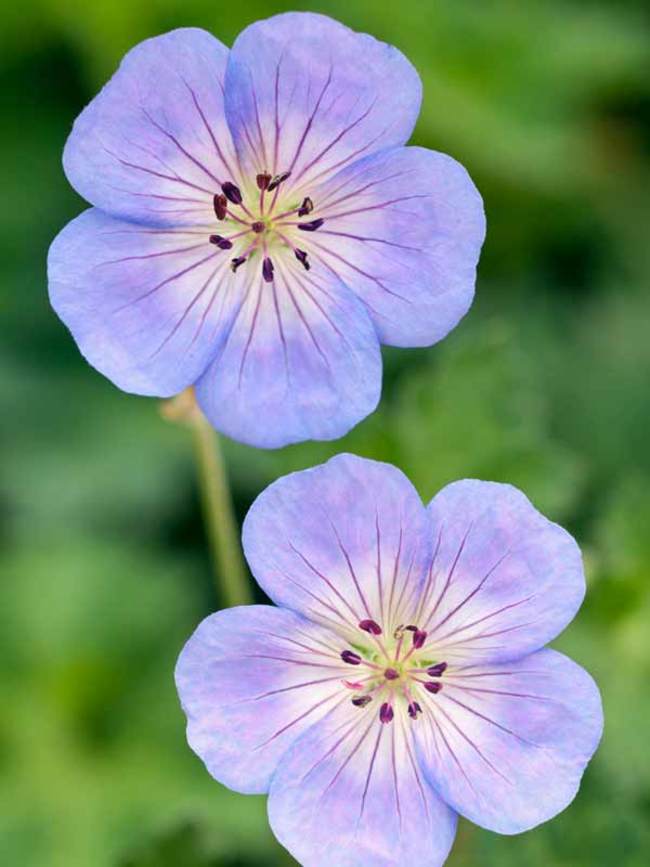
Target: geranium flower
x,y
402,680
259,227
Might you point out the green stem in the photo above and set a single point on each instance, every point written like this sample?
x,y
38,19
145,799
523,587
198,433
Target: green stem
x,y
231,576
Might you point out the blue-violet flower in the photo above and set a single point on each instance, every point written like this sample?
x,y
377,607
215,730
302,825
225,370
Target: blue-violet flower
x,y
402,680
259,226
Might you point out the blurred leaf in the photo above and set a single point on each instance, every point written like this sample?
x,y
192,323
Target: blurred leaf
x,y
478,411
544,385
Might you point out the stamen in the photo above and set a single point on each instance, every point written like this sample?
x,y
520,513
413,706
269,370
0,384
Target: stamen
x,y
306,208
370,626
301,256
386,713
232,192
220,204
258,226
352,684
414,709
434,687
277,180
361,700
437,670
391,674
350,657
311,227
263,180
419,637
237,262
267,270
222,243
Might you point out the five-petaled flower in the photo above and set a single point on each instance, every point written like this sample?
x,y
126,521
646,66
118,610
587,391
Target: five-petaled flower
x,y
259,226
402,680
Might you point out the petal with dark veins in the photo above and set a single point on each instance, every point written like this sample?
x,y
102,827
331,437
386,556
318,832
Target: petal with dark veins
x,y
146,306
154,144
308,95
505,580
251,680
506,745
349,792
404,229
344,542
301,360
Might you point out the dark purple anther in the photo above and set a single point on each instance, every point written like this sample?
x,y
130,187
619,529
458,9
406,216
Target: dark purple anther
x,y
220,206
222,243
277,180
311,227
433,687
437,670
386,713
232,192
237,262
301,256
350,657
361,701
267,270
258,226
370,626
306,208
391,674
414,710
419,637
263,180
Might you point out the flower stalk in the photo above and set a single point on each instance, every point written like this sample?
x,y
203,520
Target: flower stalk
x,y
230,573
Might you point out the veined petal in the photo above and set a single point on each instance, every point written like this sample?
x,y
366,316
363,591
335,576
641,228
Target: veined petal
x,y
251,680
506,745
301,360
505,580
154,145
147,307
404,229
308,95
349,792
341,543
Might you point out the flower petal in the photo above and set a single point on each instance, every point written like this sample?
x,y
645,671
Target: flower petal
x,y
346,541
154,145
506,745
301,361
251,679
505,579
404,229
147,307
349,792
308,95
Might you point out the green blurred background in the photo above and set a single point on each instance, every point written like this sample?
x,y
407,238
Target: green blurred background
x,y
545,384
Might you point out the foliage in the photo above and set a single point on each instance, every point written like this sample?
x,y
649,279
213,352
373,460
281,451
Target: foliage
x,y
104,569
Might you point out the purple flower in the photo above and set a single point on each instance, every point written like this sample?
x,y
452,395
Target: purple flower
x,y
259,227
369,739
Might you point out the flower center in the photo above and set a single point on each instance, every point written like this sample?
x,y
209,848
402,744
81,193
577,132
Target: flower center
x,y
262,223
396,670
